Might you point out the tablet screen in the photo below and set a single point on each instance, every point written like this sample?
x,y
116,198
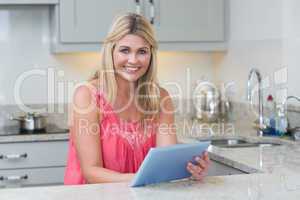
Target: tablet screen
x,y
167,163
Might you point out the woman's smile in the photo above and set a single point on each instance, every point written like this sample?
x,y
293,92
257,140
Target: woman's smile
x,y
131,69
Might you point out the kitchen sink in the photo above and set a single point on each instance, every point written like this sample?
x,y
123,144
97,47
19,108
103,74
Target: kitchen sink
x,y
219,169
228,142
239,143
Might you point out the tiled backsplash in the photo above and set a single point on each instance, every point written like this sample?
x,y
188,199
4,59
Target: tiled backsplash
x,y
241,114
59,116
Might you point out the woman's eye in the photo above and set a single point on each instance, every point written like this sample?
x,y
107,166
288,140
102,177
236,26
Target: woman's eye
x,y
124,50
143,51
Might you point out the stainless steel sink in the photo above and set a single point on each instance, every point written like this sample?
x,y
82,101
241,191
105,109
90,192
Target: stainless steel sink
x,y
227,142
219,169
239,143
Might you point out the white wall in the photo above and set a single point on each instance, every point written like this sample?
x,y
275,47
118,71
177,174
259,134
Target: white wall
x,y
255,40
179,71
24,46
262,34
291,44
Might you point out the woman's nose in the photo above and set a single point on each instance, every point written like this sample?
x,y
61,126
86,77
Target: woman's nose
x,y
132,58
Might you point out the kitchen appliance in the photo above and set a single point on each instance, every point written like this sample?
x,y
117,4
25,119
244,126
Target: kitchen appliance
x,y
210,104
31,121
206,100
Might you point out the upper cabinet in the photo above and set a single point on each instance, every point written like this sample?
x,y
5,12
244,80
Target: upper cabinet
x,y
89,21
28,2
187,21
192,25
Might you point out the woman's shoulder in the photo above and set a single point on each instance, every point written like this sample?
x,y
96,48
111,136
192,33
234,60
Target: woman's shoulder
x,y
165,99
84,92
95,83
163,92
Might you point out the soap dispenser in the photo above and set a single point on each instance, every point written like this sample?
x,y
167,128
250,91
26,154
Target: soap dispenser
x,y
281,120
270,119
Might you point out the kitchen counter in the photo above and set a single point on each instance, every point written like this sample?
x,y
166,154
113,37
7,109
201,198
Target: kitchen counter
x,y
259,186
274,174
34,137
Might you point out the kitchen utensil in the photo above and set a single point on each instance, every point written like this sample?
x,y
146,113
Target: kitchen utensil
x,y
225,104
207,102
211,104
31,121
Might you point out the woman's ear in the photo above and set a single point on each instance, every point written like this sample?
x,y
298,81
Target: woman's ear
x,y
151,57
113,48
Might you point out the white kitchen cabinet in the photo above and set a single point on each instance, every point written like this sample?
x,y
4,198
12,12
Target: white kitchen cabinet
x,y
28,2
32,163
31,177
187,21
78,25
88,21
32,154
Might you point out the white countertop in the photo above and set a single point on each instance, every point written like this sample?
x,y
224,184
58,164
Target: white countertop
x,y
277,177
258,186
34,137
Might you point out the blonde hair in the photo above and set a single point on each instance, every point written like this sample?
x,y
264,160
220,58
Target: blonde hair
x,y
148,90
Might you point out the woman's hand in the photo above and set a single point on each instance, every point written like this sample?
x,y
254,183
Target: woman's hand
x,y
198,170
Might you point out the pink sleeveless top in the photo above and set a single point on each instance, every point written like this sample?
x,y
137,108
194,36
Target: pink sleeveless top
x,y
124,144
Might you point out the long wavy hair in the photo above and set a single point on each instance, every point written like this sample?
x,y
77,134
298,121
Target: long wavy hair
x,y
148,91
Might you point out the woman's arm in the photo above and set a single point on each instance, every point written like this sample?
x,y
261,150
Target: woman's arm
x,y
167,136
86,130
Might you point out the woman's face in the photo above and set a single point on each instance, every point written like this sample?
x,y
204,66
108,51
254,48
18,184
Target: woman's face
x,y
131,57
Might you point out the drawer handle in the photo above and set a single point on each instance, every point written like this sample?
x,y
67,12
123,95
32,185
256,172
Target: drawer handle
x,y
138,6
152,12
13,156
13,178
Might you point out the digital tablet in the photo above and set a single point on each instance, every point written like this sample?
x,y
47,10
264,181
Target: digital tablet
x,y
167,163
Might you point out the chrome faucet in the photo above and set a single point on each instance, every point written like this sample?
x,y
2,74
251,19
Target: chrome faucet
x,y
291,97
260,98
284,104
293,130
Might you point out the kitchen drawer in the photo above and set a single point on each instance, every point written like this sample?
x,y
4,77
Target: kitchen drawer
x,y
33,154
32,177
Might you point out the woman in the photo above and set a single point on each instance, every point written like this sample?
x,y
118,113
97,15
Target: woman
x,y
118,116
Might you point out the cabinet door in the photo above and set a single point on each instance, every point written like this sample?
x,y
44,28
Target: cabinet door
x,y
84,21
33,154
187,21
32,177
28,2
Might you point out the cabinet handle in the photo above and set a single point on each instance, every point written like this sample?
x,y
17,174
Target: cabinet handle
x,y
138,6
13,156
75,21
13,178
152,11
